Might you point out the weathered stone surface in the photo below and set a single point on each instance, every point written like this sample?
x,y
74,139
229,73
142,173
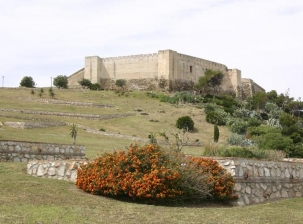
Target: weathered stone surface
x,y
40,170
52,171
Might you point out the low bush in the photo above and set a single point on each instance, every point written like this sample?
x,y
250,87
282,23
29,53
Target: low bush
x,y
253,122
185,123
237,125
275,141
217,117
150,174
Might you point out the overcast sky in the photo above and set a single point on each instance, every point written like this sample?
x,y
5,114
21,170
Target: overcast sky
x,y
46,38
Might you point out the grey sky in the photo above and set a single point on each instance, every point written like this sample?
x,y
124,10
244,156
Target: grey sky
x,y
46,38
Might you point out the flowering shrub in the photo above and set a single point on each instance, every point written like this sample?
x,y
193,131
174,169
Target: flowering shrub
x,y
220,181
151,174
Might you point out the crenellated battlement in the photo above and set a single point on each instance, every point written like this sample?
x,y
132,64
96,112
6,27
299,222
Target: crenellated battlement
x,y
130,57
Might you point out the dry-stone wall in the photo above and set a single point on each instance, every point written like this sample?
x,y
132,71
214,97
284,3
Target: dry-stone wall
x,y
257,181
62,114
17,151
28,125
61,170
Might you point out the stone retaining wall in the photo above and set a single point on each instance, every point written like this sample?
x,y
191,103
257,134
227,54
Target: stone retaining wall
x,y
29,125
61,170
62,114
257,181
24,151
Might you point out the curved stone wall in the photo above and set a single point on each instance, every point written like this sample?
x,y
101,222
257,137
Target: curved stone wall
x,y
61,170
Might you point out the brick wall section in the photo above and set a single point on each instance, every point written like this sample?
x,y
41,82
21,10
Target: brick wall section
x,y
18,151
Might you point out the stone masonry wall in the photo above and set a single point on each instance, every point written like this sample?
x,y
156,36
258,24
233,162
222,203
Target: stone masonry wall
x,y
61,170
257,181
24,151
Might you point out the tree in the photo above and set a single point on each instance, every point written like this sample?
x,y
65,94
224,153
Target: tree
x,y
61,81
185,123
120,82
216,133
259,100
211,79
85,83
73,133
27,81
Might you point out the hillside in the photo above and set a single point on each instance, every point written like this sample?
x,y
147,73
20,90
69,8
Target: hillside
x,y
123,119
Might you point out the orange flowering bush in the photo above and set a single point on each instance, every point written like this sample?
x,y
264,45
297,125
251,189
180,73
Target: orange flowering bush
x,y
221,182
152,174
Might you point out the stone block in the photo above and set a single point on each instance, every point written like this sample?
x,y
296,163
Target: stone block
x,y
287,174
266,172
40,170
248,190
61,171
52,171
284,193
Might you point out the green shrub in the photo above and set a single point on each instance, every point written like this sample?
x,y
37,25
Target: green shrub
x,y
237,125
296,150
235,139
275,141
253,122
120,82
236,152
218,117
185,123
262,130
95,86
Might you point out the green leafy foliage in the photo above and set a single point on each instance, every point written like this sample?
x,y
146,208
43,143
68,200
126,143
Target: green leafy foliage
x,y
51,92
274,141
120,82
85,83
61,81
185,123
216,133
95,86
237,125
211,79
253,122
73,133
27,81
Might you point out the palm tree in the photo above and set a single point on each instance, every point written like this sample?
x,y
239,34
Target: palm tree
x,y
73,132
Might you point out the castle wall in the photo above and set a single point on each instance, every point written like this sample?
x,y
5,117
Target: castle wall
x,y
75,78
166,69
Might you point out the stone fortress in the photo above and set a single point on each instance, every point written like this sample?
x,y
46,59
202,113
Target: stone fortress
x,y
167,69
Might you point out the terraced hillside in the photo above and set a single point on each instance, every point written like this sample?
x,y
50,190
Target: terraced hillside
x,y
106,120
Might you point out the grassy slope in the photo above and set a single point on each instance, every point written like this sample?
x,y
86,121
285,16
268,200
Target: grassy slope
x,y
27,199
138,125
